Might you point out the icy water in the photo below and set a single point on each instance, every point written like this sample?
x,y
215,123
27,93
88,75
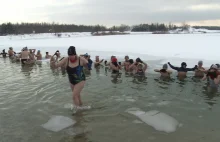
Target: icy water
x,y
31,95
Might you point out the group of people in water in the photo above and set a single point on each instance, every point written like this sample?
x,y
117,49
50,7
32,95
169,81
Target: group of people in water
x,y
76,64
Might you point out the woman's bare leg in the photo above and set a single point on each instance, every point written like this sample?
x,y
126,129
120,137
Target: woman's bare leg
x,y
76,93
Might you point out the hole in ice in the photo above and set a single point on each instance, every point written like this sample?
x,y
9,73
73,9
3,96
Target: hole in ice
x,y
58,123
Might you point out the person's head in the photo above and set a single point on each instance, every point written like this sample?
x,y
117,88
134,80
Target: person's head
x,y
47,53
71,53
112,57
115,61
25,49
213,68
97,58
38,51
10,48
3,51
183,65
58,53
200,63
30,51
138,60
89,57
131,61
126,58
218,66
165,66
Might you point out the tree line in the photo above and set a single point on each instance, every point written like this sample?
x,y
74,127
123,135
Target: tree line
x,y
28,28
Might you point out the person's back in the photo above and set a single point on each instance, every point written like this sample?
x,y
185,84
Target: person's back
x,y
47,56
39,56
10,52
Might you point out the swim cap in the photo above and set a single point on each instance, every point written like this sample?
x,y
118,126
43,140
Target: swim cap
x,y
86,55
114,60
165,66
183,64
10,48
218,65
71,51
214,67
200,62
38,50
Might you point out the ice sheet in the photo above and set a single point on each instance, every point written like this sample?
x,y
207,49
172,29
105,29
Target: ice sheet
x,y
58,123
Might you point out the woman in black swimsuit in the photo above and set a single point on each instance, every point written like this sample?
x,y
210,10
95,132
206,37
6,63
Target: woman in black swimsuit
x,y
74,67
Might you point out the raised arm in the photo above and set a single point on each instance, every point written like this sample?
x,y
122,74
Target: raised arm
x,y
192,69
175,68
59,64
156,70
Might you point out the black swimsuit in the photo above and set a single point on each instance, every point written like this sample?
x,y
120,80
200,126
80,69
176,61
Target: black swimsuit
x,y
75,74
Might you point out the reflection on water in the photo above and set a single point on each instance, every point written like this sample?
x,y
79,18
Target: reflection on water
x,y
32,94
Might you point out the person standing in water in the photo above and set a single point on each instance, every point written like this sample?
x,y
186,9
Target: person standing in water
x,y
182,70
139,67
213,77
38,55
3,53
97,61
115,67
24,55
126,62
164,72
47,55
200,71
74,68
11,53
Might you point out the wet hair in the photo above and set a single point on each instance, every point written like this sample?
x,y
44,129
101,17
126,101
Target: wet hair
x,y
71,50
131,61
47,53
218,65
127,56
138,60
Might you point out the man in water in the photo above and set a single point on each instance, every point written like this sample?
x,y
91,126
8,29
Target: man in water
x,y
47,55
11,53
126,62
182,70
164,72
87,57
24,55
3,53
200,71
39,56
97,61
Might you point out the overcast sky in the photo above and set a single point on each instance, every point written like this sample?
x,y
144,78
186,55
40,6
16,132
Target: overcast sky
x,y
111,12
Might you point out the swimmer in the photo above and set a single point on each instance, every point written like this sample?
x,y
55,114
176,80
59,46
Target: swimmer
x,y
97,61
74,68
31,56
213,76
3,53
127,68
52,59
24,55
137,69
87,57
126,62
47,55
164,72
11,53
182,70
39,56
200,71
115,66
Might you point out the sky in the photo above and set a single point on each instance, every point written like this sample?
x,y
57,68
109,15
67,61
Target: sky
x,y
112,12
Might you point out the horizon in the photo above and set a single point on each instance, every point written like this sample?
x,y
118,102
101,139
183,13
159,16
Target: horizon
x,y
112,12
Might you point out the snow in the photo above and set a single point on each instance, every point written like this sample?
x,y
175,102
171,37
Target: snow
x,y
173,48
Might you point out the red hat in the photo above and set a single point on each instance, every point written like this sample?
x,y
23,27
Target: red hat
x,y
114,60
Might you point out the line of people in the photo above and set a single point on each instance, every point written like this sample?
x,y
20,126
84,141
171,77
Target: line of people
x,y
74,65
